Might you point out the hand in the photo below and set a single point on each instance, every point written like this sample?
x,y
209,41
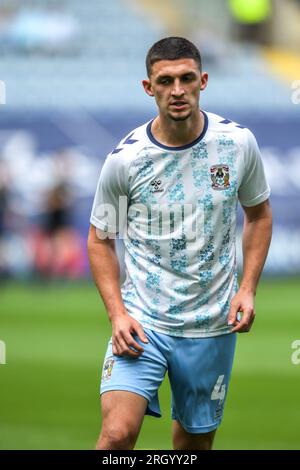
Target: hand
x,y
124,326
242,302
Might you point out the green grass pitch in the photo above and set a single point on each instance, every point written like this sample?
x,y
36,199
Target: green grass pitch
x,y
55,340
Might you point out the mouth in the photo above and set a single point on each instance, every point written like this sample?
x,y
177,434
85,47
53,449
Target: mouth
x,y
178,104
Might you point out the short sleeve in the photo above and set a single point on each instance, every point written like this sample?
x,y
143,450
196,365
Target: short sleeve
x,y
110,202
254,188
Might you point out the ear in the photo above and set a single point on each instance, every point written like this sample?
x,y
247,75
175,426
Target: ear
x,y
147,87
204,80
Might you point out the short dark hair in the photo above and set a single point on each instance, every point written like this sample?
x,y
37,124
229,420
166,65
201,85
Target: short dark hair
x,y
172,48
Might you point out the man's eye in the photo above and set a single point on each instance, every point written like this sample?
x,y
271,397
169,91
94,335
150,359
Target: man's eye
x,y
165,81
187,78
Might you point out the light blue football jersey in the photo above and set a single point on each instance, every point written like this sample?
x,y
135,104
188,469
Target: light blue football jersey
x,y
176,208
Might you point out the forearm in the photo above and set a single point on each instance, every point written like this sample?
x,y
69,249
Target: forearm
x,y
256,241
105,269
106,273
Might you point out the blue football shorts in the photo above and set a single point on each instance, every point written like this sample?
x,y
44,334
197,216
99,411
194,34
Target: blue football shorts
x,y
198,368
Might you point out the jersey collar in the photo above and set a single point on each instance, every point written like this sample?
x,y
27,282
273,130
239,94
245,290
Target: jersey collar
x,y
183,147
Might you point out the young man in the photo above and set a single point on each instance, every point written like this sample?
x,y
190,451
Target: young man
x,y
177,179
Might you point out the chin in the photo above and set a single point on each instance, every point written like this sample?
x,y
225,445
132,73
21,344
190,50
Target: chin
x,y
179,117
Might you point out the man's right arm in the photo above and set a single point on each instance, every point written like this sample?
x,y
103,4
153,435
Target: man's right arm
x,y
106,273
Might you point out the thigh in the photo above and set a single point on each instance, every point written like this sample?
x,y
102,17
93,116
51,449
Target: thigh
x,y
118,404
199,372
122,410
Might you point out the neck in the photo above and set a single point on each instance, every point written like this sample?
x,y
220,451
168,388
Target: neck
x,y
177,133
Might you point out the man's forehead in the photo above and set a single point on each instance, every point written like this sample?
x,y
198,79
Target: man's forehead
x,y
174,67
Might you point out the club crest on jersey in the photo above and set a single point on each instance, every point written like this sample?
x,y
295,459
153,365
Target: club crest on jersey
x,y
156,186
107,368
220,176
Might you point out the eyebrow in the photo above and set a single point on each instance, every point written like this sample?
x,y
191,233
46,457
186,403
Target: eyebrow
x,y
192,73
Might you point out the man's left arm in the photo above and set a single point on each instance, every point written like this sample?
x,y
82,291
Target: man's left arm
x,y
257,234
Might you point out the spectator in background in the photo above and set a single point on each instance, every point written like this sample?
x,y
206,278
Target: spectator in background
x,y
3,213
252,20
3,199
58,246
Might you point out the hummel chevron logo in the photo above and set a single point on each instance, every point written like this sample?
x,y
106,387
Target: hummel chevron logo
x,y
156,186
227,121
128,141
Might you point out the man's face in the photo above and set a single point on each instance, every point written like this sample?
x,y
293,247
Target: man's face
x,y
176,86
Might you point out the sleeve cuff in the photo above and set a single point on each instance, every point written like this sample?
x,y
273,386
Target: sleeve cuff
x,y
103,226
257,200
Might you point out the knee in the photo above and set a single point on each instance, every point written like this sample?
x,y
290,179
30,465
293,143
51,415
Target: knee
x,y
115,438
206,443
193,443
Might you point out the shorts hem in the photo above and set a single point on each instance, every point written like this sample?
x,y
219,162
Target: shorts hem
x,y
199,429
126,388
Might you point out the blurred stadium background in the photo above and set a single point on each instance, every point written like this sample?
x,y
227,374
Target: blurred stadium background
x,y
71,72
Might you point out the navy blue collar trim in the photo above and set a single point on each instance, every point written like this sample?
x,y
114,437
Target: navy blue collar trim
x,y
183,147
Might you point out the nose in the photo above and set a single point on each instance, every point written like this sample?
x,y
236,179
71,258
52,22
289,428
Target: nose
x,y
177,89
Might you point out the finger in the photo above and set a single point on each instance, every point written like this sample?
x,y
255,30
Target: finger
x,y
125,350
115,350
140,332
232,317
240,327
250,323
245,323
130,341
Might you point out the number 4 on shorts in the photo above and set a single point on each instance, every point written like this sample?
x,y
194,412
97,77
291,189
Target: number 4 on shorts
x,y
219,390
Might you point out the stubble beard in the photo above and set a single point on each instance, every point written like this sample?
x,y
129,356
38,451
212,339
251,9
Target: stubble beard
x,y
180,118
